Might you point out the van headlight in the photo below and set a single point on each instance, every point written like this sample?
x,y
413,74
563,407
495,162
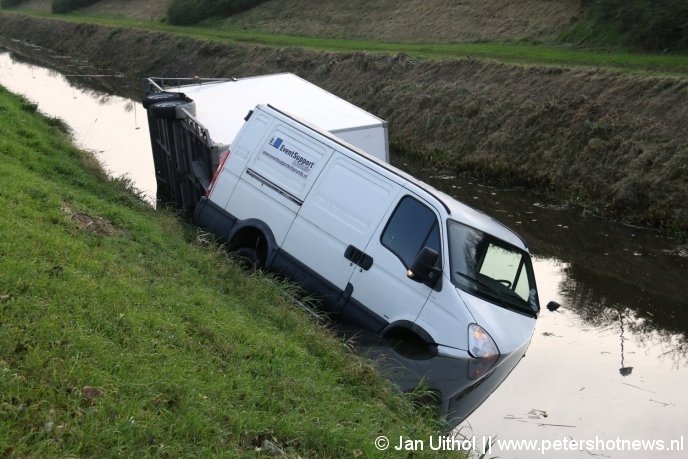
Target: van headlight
x,y
480,343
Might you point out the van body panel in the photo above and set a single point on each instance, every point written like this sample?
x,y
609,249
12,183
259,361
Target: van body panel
x,y
508,328
251,133
298,271
253,200
402,298
344,208
386,289
322,254
349,199
289,160
224,187
444,315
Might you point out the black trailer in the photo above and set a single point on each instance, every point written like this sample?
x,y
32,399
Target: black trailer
x,y
184,155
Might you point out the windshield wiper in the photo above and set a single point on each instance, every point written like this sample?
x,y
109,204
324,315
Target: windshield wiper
x,y
508,296
513,298
479,282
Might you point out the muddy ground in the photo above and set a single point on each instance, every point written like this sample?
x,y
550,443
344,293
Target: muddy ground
x,y
613,142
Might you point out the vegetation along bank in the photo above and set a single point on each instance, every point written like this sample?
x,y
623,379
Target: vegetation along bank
x,y
610,140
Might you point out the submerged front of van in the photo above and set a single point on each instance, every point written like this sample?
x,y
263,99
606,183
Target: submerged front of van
x,y
485,315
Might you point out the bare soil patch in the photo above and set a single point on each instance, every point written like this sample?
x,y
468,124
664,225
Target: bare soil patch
x,y
97,225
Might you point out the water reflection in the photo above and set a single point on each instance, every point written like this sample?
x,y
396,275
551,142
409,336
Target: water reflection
x,y
453,386
579,374
98,83
112,127
612,363
624,370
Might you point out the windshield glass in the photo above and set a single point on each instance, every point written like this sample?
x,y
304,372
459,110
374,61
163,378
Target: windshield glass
x,y
492,269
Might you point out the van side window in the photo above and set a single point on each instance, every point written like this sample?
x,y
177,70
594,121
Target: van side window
x,y
411,227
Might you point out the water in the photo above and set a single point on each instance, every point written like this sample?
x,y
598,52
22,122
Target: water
x,y
608,368
612,362
114,128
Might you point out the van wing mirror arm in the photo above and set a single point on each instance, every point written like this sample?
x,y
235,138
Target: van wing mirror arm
x,y
424,269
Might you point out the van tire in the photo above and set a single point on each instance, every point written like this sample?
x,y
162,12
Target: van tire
x,y
408,343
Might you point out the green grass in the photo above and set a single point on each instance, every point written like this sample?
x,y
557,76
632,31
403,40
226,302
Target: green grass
x,y
517,53
123,333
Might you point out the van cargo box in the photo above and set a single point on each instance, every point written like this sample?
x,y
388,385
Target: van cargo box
x,y
222,105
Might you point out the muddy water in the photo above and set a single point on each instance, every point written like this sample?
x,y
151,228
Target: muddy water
x,y
607,369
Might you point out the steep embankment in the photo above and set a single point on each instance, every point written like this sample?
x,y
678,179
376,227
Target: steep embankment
x,y
148,10
607,139
413,20
389,20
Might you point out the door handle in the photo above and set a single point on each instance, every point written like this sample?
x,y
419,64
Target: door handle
x,y
359,257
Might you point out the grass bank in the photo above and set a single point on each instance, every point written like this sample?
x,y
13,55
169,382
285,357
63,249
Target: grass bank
x,y
124,333
508,52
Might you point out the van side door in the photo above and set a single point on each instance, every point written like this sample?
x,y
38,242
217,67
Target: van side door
x,y
385,290
333,227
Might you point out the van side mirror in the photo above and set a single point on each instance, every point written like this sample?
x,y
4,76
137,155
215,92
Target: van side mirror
x,y
553,306
423,268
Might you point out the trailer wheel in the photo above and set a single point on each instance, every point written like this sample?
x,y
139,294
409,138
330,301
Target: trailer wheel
x,y
168,109
151,99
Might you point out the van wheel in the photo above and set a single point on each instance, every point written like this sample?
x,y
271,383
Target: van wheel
x,y
408,344
248,259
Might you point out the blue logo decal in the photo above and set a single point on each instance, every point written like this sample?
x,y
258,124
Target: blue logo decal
x,y
276,142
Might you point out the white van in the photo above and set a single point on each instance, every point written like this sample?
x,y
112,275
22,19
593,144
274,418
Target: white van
x,y
383,250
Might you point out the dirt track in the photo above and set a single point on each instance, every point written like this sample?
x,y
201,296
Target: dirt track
x,y
613,141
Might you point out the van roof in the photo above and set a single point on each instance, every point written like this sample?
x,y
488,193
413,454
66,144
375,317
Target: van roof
x,y
479,220
455,209
459,211
222,104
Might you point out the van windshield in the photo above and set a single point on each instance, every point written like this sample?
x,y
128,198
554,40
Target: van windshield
x,y
492,269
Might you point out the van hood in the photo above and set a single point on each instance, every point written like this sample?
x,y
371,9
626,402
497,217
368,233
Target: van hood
x,y
509,329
